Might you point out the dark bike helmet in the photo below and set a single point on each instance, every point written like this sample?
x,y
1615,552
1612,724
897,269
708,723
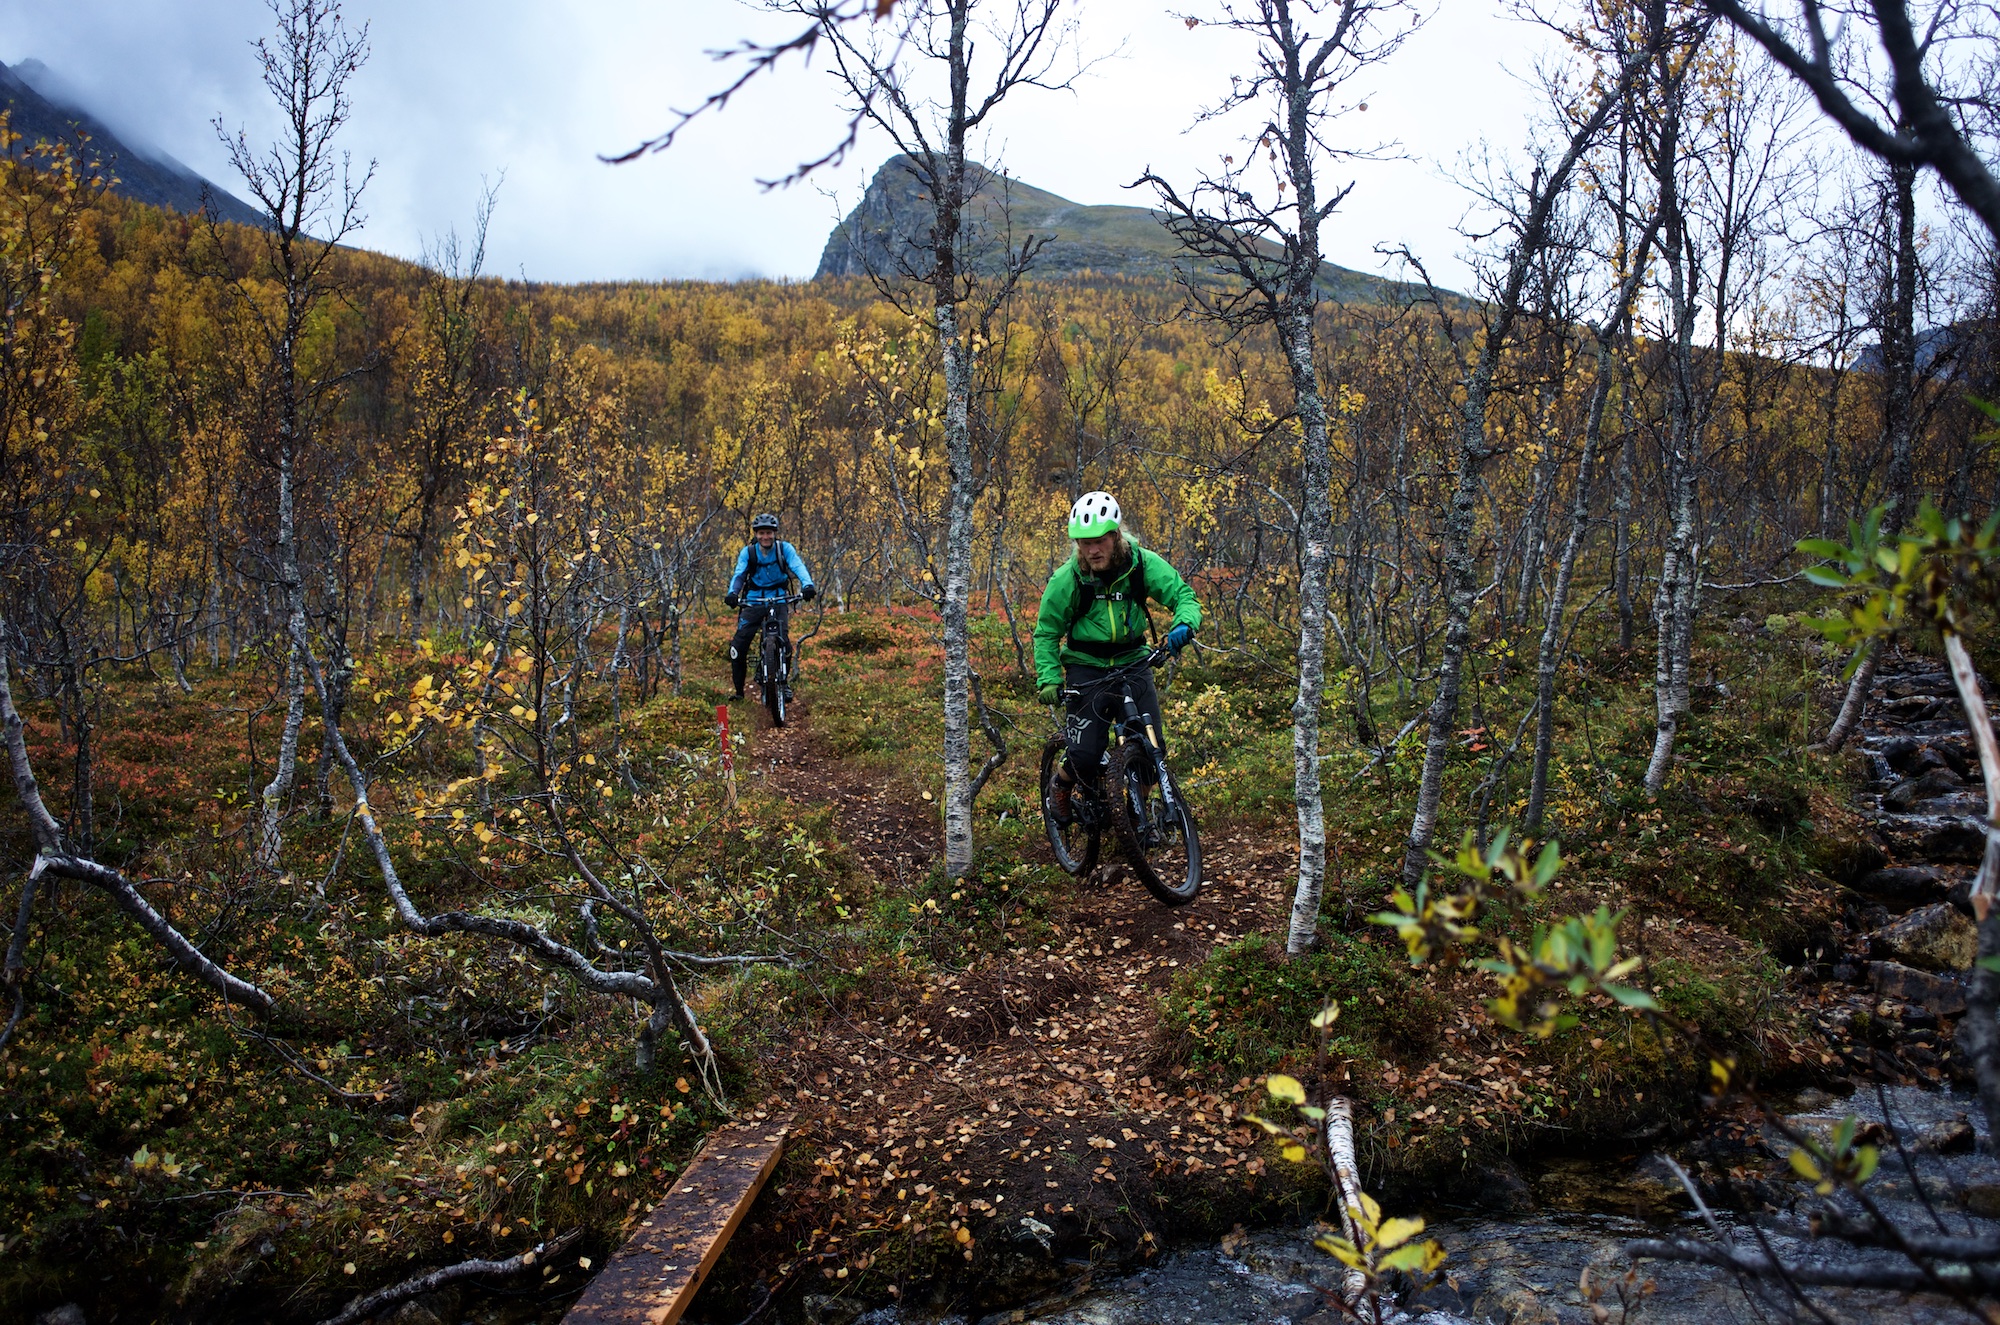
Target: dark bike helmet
x,y
764,521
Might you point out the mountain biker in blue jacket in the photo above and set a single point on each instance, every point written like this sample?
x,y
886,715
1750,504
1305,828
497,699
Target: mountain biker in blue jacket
x,y
1093,620
760,585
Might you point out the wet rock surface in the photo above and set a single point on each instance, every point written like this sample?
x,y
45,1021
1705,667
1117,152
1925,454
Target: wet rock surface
x,y
1558,1262
1931,938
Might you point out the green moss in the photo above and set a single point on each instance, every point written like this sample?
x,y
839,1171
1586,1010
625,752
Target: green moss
x,y
1722,1002
1248,1007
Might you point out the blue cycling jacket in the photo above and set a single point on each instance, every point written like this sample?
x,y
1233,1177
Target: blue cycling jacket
x,y
761,576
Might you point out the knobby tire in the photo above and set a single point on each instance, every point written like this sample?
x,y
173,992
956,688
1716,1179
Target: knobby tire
x,y
771,680
1075,846
1174,879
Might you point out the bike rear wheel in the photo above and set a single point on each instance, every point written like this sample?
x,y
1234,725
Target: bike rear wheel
x,y
1158,836
1074,843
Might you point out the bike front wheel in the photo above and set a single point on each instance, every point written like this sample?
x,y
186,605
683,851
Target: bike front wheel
x,y
1156,831
1074,843
774,701
774,682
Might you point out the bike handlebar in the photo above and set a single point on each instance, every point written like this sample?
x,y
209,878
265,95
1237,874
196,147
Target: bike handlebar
x,y
1159,654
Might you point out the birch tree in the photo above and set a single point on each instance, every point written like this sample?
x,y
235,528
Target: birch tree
x,y
1896,332
1629,263
1717,144
1529,227
1925,120
311,200
884,74
1256,226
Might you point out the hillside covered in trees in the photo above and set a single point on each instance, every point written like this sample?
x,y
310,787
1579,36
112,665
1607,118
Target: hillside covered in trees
x,y
386,893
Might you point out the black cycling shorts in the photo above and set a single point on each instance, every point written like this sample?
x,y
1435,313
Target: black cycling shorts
x,y
1092,714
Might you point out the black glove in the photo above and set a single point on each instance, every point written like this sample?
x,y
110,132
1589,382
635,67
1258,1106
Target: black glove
x,y
809,593
730,598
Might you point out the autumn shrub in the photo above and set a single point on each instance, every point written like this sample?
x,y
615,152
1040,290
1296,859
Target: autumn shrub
x,y
863,637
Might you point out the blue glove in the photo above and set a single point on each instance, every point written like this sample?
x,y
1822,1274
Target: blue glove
x,y
1178,637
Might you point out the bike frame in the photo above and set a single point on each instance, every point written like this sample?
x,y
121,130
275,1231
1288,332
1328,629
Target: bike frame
x,y
1139,728
776,631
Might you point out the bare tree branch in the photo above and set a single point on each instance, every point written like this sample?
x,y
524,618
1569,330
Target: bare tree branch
x,y
54,858
1925,132
363,1308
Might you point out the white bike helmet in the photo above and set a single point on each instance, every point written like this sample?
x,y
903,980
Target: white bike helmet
x,y
1093,515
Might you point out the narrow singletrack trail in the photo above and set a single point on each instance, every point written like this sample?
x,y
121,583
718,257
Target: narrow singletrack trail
x,y
1027,1099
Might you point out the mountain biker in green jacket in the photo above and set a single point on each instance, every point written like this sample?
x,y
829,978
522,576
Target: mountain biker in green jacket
x,y
1098,600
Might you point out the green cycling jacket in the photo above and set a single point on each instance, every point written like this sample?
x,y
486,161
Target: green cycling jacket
x,y
1112,629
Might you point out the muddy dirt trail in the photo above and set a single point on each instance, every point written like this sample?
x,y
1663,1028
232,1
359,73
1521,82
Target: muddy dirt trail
x,y
1017,1115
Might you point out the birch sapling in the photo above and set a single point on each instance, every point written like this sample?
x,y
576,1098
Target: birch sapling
x,y
1548,652
311,202
1898,333
1532,234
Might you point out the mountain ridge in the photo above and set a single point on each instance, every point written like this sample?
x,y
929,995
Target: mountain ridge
x,y
890,224
148,176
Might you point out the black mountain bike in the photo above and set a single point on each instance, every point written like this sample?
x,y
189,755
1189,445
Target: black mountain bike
x,y
774,657
1139,801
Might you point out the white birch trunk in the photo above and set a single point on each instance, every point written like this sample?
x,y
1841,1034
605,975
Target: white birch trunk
x,y
957,588
1674,614
1347,1186
1979,1033
1315,562
1673,602
270,842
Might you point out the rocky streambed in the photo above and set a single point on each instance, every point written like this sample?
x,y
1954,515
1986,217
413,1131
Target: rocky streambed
x,y
1564,1256
1550,1245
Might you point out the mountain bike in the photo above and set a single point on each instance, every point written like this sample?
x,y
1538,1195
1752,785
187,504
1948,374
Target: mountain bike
x,y
1139,801
774,657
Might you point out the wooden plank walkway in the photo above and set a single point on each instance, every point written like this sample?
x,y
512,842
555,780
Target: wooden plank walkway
x,y
654,1277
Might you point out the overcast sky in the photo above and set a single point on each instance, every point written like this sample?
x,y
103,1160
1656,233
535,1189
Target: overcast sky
x,y
457,90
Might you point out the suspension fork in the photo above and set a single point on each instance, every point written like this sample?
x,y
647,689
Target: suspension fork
x,y
1138,726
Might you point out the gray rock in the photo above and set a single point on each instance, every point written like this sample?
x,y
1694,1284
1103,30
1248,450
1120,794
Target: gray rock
x,y
1931,938
1921,989
1953,1136
823,1309
1901,887
1934,684
1500,1187
1960,895
1899,751
1950,840
69,1313
1903,797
